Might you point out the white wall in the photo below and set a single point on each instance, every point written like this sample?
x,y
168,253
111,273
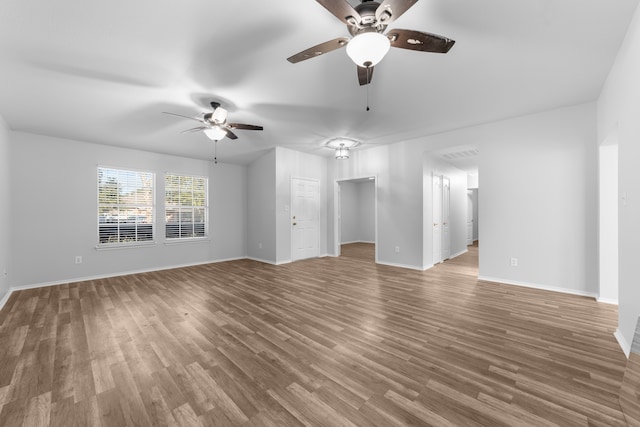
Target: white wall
x,y
472,181
54,207
366,211
294,164
619,107
357,209
539,204
475,199
539,197
349,212
228,211
261,220
398,171
5,211
608,223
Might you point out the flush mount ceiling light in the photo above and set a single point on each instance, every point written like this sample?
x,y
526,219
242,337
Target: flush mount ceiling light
x,y
342,152
342,146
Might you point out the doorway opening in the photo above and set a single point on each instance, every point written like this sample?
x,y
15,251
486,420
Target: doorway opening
x,y
450,203
356,219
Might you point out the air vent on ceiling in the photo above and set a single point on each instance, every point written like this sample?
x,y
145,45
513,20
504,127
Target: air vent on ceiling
x,y
461,154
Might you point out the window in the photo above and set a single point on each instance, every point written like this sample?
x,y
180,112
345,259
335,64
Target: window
x,y
125,206
186,209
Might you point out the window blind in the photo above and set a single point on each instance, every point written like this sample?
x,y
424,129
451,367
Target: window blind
x,y
186,206
125,206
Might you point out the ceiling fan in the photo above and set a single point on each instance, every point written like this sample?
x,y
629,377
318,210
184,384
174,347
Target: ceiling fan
x,y
215,125
367,23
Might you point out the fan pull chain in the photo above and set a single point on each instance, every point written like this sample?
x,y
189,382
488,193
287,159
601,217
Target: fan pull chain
x,y
215,152
368,84
367,97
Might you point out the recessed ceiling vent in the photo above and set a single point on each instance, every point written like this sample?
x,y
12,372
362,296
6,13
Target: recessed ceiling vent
x,y
464,154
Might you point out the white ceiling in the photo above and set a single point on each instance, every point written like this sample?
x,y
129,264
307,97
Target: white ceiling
x,y
104,72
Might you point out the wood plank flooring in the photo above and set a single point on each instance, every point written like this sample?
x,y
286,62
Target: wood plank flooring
x,y
322,342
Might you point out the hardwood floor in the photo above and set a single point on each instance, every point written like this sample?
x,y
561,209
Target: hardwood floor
x,y
330,341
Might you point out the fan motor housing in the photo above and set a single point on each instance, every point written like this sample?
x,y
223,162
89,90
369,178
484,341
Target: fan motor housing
x,y
367,11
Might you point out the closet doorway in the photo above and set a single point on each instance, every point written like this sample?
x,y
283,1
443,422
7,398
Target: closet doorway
x,y
441,218
356,217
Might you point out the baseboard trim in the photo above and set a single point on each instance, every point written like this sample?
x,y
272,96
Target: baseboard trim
x,y
5,298
104,276
410,267
607,301
624,345
538,286
264,261
287,261
357,241
458,254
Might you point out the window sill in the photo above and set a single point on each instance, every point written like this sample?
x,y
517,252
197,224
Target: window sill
x,y
170,242
112,246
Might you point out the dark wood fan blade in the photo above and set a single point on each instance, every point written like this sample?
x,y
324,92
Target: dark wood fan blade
x,y
186,117
230,134
244,127
199,128
390,10
365,75
341,10
318,50
417,40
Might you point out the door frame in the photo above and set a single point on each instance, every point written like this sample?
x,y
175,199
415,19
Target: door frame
x,y
436,207
291,197
337,212
446,222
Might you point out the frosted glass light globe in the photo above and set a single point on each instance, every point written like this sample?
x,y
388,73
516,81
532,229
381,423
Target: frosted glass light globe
x,y
367,49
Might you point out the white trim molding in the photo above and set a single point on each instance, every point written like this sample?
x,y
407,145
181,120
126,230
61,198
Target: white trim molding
x,y
13,289
607,301
624,345
410,267
538,286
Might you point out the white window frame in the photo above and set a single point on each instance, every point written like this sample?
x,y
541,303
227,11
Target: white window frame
x,y
186,207
140,221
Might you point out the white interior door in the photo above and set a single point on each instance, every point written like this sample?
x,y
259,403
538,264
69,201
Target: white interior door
x,y
305,216
469,217
437,219
446,236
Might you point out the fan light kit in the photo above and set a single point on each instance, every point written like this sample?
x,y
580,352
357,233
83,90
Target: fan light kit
x,y
215,125
215,133
367,49
367,23
342,146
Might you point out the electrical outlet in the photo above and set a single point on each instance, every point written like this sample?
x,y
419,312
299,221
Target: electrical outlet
x,y
397,249
78,259
514,262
